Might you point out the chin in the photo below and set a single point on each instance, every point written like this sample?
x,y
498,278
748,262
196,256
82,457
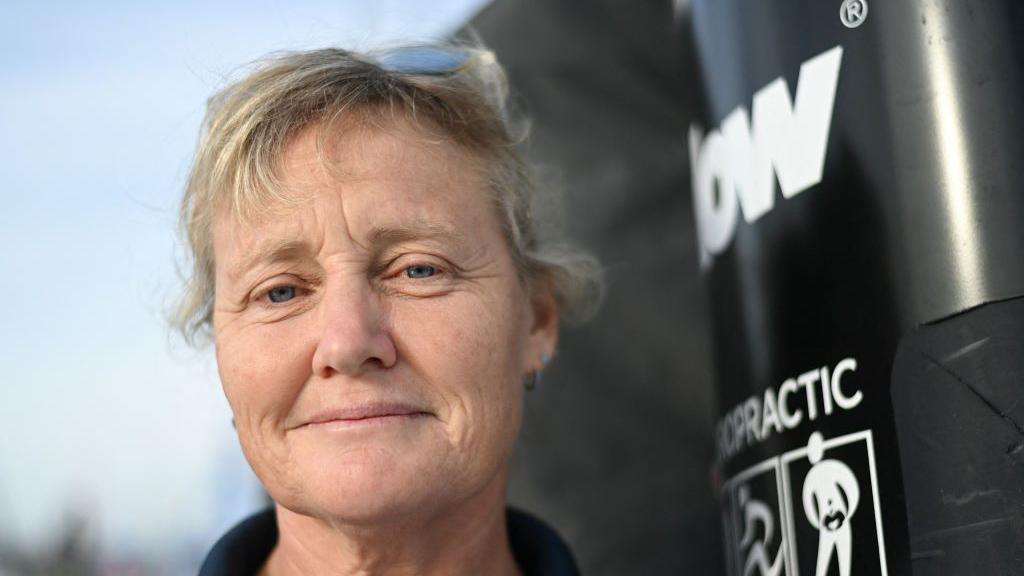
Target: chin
x,y
364,486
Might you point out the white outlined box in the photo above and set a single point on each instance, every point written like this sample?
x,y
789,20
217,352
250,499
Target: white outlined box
x,y
782,479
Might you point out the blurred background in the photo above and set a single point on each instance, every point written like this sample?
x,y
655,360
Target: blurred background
x,y
117,455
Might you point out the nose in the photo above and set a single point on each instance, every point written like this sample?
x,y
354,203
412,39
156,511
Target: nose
x,y
354,332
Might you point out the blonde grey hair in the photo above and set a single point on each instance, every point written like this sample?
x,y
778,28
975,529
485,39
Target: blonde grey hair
x,y
249,123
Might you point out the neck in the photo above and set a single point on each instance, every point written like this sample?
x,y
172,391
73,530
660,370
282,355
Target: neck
x,y
469,539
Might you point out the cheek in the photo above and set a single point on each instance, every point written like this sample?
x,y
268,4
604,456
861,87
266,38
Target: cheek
x,y
471,354
262,369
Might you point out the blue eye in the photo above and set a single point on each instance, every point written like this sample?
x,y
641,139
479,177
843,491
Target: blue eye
x,y
281,294
420,271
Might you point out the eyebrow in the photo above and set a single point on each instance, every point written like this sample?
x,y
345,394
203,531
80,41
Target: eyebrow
x,y
271,253
383,236
380,237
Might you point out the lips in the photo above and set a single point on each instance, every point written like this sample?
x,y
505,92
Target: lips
x,y
372,412
834,520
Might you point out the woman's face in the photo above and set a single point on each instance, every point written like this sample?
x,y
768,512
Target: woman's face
x,y
373,338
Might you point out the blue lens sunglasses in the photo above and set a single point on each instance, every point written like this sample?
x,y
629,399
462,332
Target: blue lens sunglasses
x,y
426,60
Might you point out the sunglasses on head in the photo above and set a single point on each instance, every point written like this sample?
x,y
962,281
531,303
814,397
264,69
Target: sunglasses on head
x,y
426,60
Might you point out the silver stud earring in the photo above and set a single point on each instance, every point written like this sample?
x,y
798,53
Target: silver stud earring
x,y
534,379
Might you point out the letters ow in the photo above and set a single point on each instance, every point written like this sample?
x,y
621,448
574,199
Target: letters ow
x,y
778,139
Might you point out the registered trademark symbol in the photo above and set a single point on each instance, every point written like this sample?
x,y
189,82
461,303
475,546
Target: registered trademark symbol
x,y
853,12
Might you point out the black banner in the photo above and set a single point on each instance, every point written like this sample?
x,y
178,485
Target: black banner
x,y
859,208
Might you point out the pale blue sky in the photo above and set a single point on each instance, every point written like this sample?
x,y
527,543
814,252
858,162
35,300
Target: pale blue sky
x,y
99,111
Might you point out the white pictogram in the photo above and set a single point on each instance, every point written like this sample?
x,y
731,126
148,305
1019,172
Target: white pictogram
x,y
756,512
764,539
830,498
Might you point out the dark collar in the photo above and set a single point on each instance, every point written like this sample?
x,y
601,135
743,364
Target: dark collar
x,y
538,550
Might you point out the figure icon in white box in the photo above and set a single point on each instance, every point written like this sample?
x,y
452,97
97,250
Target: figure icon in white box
x,y
759,562
830,497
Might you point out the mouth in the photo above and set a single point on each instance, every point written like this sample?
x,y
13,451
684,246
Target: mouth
x,y
834,520
363,415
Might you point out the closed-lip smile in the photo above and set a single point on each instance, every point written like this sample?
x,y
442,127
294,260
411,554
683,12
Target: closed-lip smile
x,y
362,414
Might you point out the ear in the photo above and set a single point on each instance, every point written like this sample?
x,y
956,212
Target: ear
x,y
543,336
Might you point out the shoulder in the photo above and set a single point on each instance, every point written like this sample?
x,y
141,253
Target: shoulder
x,y
537,548
245,548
